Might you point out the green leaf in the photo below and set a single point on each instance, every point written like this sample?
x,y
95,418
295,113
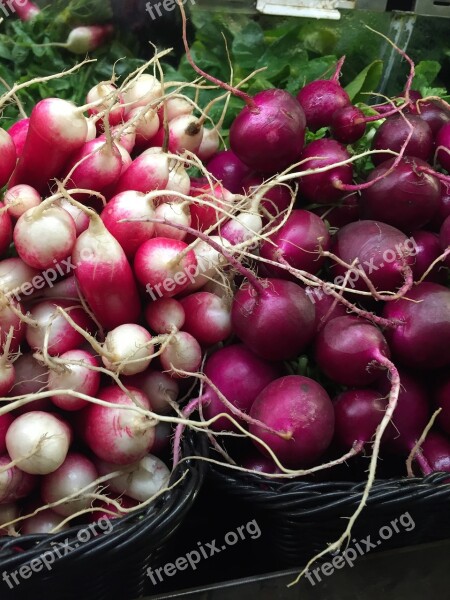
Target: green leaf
x,y
426,72
248,46
365,82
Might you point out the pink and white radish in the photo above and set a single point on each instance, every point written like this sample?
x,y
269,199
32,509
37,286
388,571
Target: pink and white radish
x,y
6,231
164,315
161,389
113,103
142,91
9,156
14,482
207,317
147,172
128,349
85,38
18,133
43,522
20,198
74,374
146,124
173,212
183,352
185,134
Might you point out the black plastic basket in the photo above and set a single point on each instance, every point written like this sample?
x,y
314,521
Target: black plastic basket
x,y
107,566
300,517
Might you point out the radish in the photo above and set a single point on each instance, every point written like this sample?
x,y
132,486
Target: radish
x,y
7,371
65,289
141,480
185,134
80,218
404,198
276,200
209,261
146,125
31,377
165,314
18,133
204,216
38,441
434,114
423,338
162,445
174,212
43,522
5,421
44,236
8,513
142,91
57,129
129,205
326,306
128,349
347,124
163,266
9,317
91,130
125,137
105,277
20,198
207,318
441,399
393,133
85,38
436,450
179,180
299,242
300,408
146,173
113,103
444,238
428,250
240,376
351,351
118,435
6,231
14,482
75,473
75,375
243,227
443,146
62,337
209,146
341,213
161,389
182,353
25,9
9,156
173,107
227,168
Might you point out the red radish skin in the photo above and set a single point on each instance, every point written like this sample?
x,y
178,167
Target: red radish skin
x,y
57,129
183,353
146,173
404,198
18,133
443,146
276,321
105,277
6,229
80,218
383,252
160,268
441,399
243,227
275,201
62,337
118,435
434,114
7,374
436,450
299,242
45,236
320,100
163,439
19,199
164,315
14,273
129,205
14,482
358,414
5,421
348,349
160,388
323,188
444,238
204,216
86,38
326,306
31,377
9,157
270,136
342,213
347,124
423,340
259,463
39,440
228,169
207,318
25,9
65,289
128,349
428,250
77,377
393,133
76,473
240,376
301,408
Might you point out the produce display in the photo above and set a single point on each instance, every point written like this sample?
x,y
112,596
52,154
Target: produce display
x,y
270,266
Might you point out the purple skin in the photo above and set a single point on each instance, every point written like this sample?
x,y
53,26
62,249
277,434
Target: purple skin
x,y
299,242
275,201
240,375
320,99
255,461
371,242
163,436
228,169
428,249
298,406
393,134
358,414
442,400
347,211
411,414
271,139
404,198
423,341
436,450
346,348
444,238
327,307
443,210
443,139
435,115
323,188
276,323
347,124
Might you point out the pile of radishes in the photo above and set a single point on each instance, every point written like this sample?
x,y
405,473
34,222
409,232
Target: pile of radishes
x,y
126,278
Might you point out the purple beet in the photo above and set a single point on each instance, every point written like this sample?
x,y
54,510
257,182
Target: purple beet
x,y
227,168
347,124
276,320
320,99
300,408
423,341
404,198
269,136
299,242
323,188
240,376
393,133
